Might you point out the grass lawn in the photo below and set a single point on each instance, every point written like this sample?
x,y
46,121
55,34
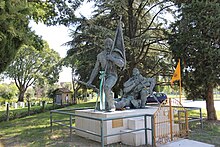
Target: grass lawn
x,y
209,134
35,131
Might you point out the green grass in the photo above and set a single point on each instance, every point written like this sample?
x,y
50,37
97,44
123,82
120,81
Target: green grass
x,y
22,112
35,130
210,132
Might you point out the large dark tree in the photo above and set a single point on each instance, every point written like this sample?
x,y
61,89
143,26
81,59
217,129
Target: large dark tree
x,y
195,40
13,29
143,34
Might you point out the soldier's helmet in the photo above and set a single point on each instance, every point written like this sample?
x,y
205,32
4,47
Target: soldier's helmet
x,y
135,72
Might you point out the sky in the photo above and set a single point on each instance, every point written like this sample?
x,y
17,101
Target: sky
x,y
56,36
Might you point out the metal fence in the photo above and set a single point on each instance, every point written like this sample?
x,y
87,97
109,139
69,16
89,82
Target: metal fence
x,y
180,118
101,120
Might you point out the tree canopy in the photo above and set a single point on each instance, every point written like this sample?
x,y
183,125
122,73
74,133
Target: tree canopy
x,y
32,65
195,40
143,34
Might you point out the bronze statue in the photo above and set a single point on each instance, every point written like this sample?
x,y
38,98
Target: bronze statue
x,y
108,62
136,90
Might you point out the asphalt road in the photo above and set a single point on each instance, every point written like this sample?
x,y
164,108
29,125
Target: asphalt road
x,y
201,104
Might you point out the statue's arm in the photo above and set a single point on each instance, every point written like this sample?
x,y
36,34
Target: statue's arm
x,y
128,82
116,59
94,72
152,84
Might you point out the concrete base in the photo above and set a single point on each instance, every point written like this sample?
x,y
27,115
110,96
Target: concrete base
x,y
136,138
186,143
112,126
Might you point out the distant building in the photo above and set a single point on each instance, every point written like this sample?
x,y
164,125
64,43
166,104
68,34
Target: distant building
x,y
62,96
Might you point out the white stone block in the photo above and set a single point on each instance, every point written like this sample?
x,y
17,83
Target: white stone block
x,y
136,138
138,123
135,123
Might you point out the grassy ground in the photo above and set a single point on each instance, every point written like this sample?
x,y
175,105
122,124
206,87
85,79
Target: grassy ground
x,y
35,131
209,134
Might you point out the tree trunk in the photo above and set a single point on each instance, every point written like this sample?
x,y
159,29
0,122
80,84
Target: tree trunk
x,y
211,113
21,96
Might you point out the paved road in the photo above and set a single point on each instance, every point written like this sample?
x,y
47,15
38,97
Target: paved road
x,y
201,104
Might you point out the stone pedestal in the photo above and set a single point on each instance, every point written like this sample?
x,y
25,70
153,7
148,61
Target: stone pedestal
x,y
113,126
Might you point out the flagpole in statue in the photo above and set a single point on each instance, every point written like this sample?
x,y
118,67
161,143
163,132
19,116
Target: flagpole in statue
x,y
177,77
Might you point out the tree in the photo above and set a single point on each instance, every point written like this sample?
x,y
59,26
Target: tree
x,y
14,19
14,30
31,65
195,39
53,12
143,34
8,91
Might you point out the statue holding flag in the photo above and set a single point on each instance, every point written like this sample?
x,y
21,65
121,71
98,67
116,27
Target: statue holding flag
x,y
107,62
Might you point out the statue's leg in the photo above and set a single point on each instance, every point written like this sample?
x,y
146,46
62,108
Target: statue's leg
x,y
109,83
144,94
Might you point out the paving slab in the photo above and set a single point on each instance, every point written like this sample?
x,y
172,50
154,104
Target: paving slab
x,y
186,143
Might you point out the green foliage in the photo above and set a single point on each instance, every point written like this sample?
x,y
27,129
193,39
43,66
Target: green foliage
x,y
53,12
13,27
32,65
195,39
8,91
14,30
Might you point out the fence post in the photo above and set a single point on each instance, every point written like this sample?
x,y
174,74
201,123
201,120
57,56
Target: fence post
x,y
43,106
51,122
7,112
200,115
145,126
71,122
153,130
28,108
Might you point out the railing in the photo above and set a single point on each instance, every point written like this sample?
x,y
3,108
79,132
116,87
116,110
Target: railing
x,y
102,120
101,134
193,118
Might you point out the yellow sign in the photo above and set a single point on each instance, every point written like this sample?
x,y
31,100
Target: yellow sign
x,y
117,123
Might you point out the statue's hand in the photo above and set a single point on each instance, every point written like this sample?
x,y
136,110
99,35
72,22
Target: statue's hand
x,y
89,83
109,57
